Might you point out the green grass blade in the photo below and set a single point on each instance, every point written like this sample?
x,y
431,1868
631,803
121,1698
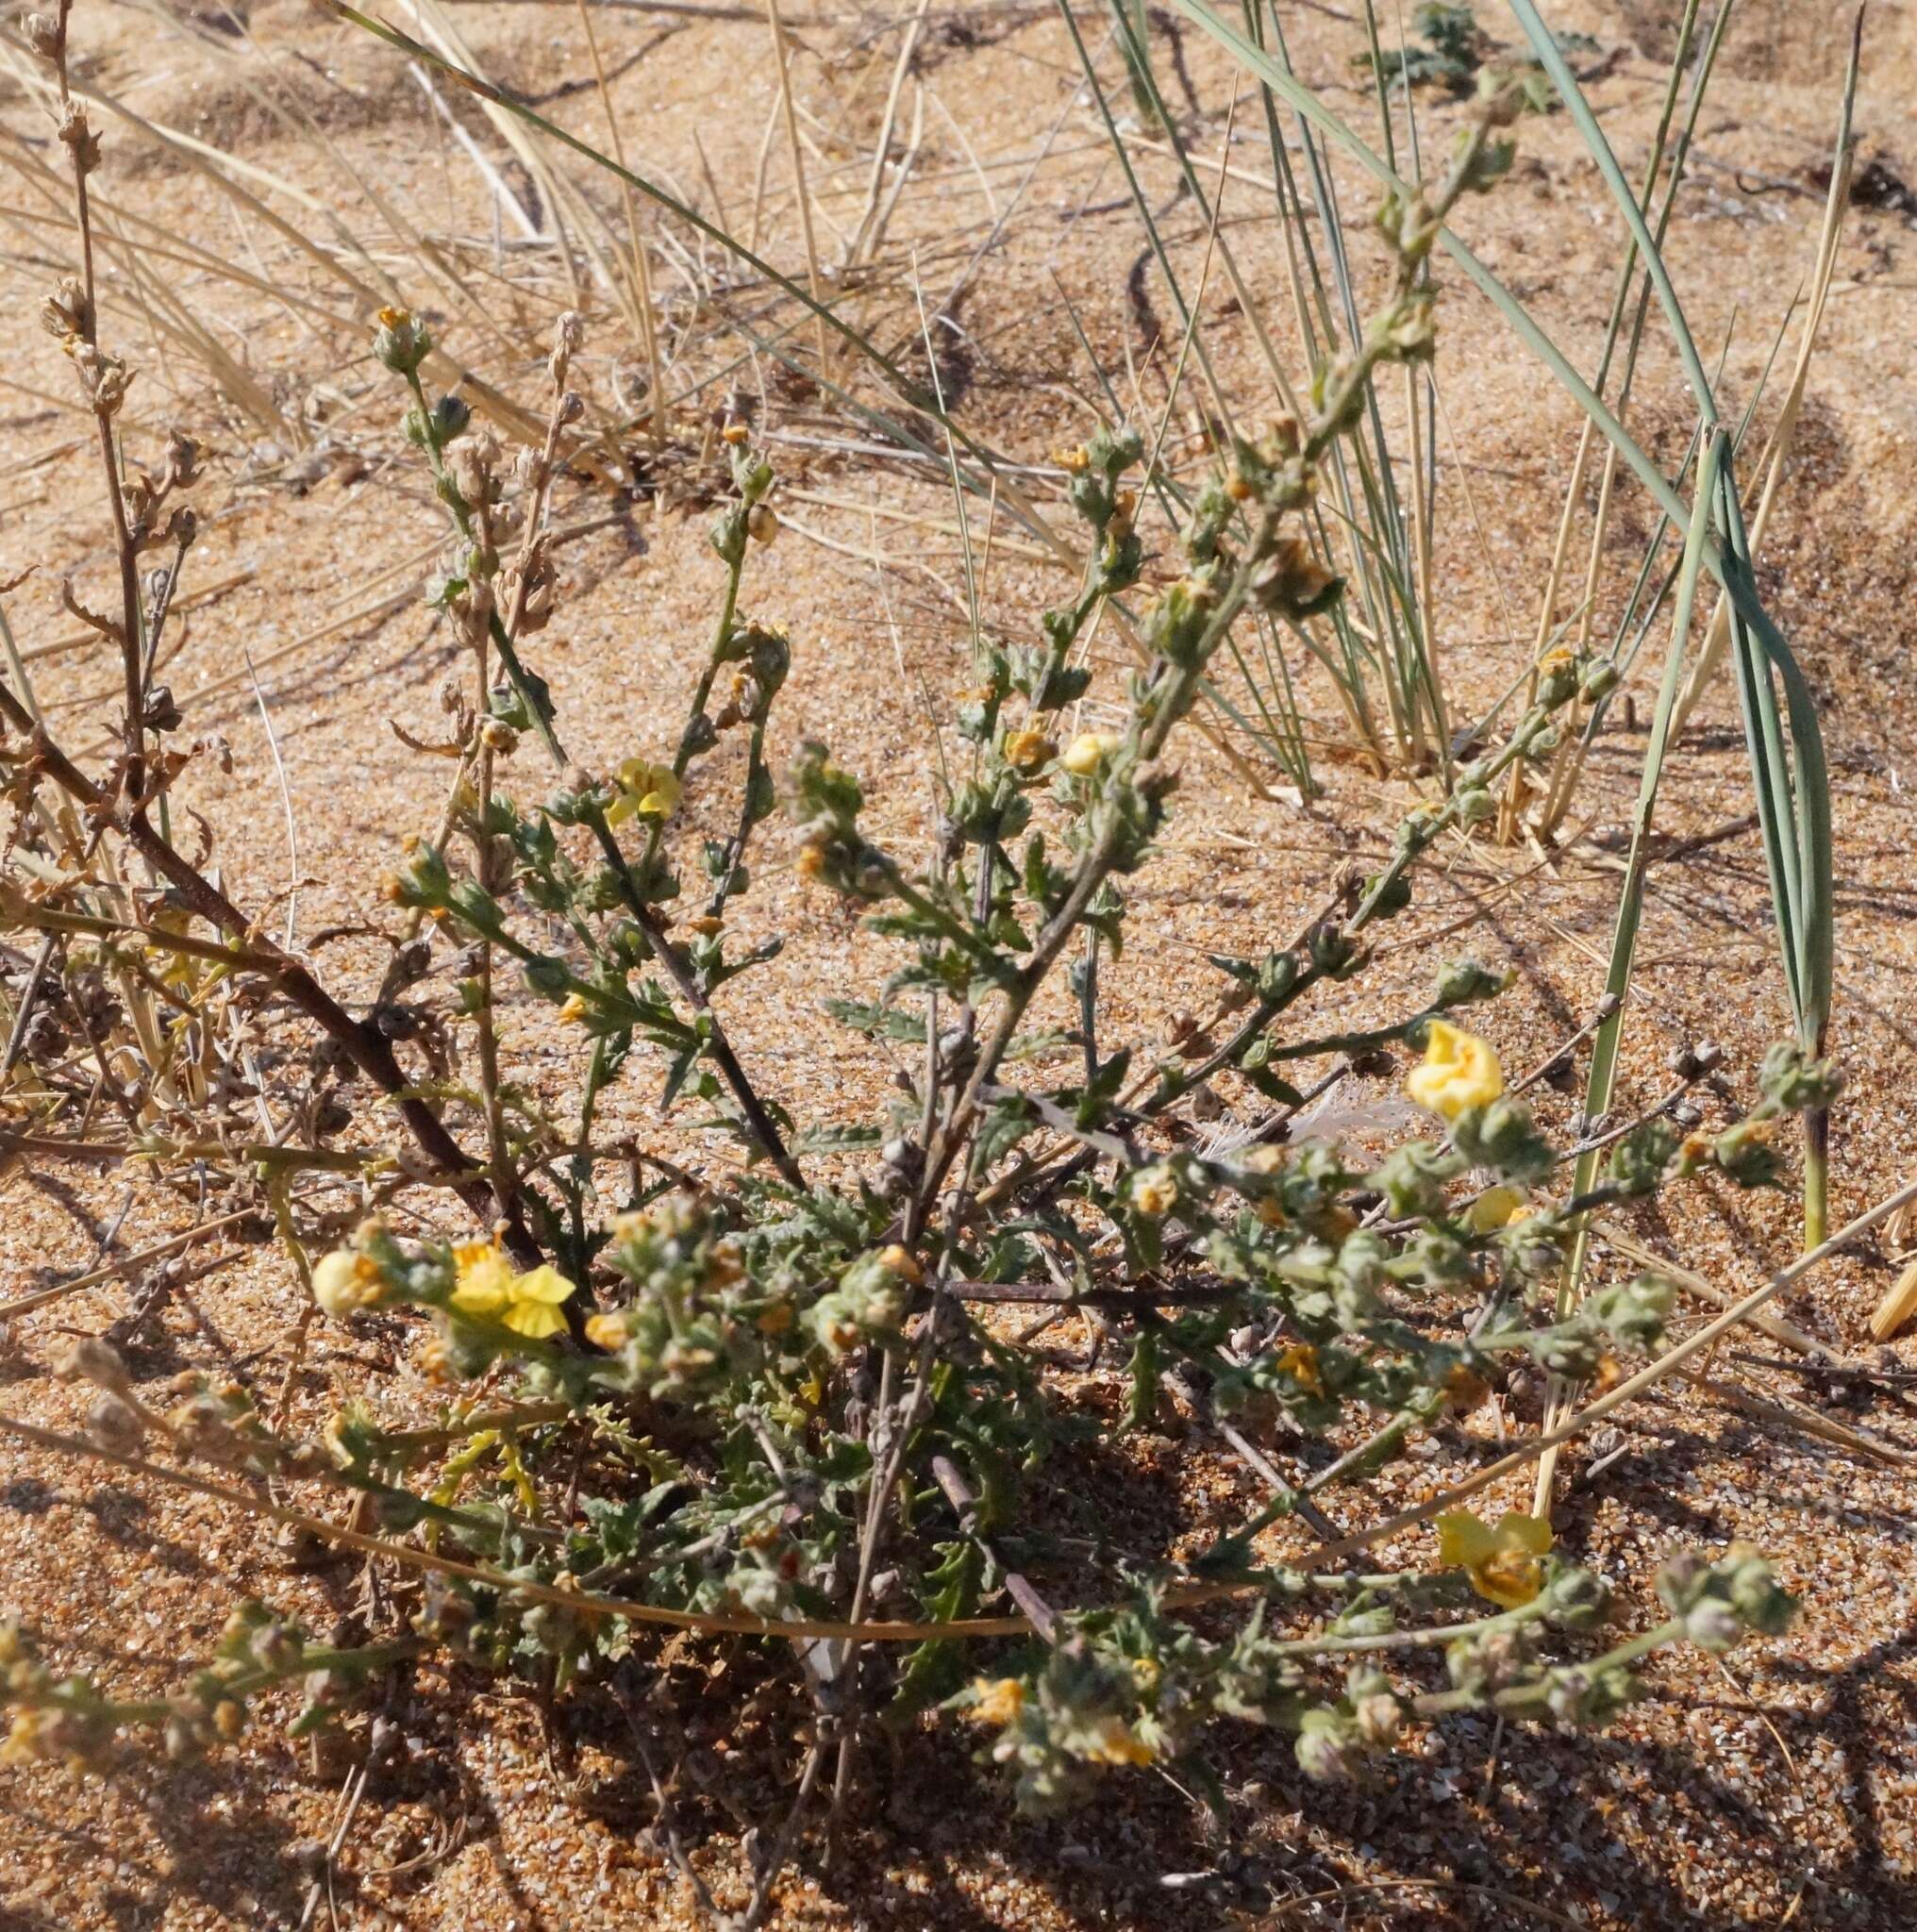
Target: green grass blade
x,y
1545,46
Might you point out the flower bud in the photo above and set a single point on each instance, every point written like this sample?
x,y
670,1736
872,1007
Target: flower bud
x,y
1089,751
1323,1749
1712,1624
345,1282
401,341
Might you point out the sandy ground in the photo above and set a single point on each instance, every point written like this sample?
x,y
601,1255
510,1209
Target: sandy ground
x,y
1777,1789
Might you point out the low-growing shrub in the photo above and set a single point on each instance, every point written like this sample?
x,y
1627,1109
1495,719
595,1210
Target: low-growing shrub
x,y
787,1404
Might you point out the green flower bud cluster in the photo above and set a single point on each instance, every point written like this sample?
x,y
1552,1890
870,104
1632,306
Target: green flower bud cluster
x,y
1722,1603
1793,1081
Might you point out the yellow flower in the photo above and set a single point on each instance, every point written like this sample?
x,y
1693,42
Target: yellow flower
x,y
902,1262
1464,1389
646,790
572,1009
997,1701
527,1304
1155,1190
1495,1208
344,1281
1090,750
605,1331
1457,1073
1300,1362
1506,1564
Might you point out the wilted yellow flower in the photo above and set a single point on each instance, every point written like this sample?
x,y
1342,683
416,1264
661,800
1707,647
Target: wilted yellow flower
x,y
1090,750
1506,1564
527,1304
344,1281
1114,1742
646,790
997,1701
572,1009
1026,750
1457,1073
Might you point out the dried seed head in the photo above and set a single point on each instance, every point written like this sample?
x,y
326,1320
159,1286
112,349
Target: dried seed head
x,y
42,34
76,132
114,1424
104,378
182,459
473,464
86,1358
568,338
65,312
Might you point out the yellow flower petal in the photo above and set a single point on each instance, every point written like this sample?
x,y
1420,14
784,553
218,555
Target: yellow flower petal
x,y
536,1321
1495,1208
648,789
542,1284
1510,1579
1506,1564
484,1278
1522,1532
1458,1072
997,1701
1462,1540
